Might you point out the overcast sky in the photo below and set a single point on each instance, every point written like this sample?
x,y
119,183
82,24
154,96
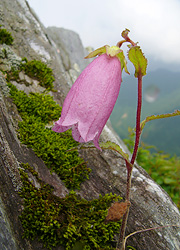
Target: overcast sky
x,y
155,24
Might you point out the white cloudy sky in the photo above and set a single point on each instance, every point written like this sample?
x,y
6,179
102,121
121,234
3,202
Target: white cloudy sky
x,y
155,24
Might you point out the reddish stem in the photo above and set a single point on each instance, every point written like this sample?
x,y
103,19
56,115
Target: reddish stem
x,y
120,244
138,119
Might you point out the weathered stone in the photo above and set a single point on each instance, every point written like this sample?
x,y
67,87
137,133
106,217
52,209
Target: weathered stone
x,y
4,90
11,59
21,76
7,240
151,206
70,47
70,50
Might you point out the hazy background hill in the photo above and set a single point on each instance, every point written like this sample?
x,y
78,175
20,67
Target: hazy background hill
x,y
161,94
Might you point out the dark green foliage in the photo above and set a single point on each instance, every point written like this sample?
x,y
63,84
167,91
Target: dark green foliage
x,y
39,70
36,111
65,221
5,37
163,168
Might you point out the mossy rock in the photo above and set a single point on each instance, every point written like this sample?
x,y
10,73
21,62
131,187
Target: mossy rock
x,y
40,71
37,110
70,222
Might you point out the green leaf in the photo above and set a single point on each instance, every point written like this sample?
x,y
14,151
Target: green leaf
x,y
104,145
169,181
115,147
138,59
111,51
123,61
155,117
96,52
131,248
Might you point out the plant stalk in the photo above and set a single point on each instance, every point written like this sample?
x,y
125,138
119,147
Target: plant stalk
x,y
138,119
120,243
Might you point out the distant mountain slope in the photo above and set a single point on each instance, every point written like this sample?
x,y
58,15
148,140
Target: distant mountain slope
x,y
161,94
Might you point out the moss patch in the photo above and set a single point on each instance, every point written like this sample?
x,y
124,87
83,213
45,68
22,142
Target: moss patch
x,y
35,69
40,71
36,111
5,37
65,221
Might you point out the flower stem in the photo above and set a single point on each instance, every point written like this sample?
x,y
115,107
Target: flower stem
x,y
138,119
147,229
120,243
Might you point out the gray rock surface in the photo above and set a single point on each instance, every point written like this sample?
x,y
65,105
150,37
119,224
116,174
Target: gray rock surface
x,y
151,206
7,239
70,48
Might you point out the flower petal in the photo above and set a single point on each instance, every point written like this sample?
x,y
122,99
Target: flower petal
x,y
91,99
75,134
59,129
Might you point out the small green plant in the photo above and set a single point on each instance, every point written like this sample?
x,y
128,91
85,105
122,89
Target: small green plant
x,y
5,37
86,96
37,110
65,221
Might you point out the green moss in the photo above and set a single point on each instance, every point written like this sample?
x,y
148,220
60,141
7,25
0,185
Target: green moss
x,y
36,111
40,71
5,37
36,70
65,221
37,105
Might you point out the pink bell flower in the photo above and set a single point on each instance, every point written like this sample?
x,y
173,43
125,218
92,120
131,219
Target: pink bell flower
x,y
91,99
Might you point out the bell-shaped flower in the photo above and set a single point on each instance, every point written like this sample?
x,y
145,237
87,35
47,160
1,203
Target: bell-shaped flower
x,y
92,97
